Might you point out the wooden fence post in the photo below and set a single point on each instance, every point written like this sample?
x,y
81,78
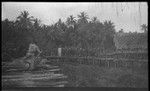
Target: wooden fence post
x,y
126,63
100,62
116,64
108,64
92,62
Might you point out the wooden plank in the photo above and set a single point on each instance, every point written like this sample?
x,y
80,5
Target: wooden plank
x,y
56,57
62,85
54,76
40,71
34,73
93,58
54,84
108,64
40,84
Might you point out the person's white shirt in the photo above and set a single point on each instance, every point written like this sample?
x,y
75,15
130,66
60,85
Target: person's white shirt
x,y
33,48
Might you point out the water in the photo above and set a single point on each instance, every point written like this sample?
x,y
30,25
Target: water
x,y
46,78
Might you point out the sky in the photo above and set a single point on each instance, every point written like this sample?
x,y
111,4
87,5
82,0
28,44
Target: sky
x,y
125,15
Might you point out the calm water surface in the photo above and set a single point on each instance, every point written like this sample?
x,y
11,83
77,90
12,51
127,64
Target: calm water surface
x,y
28,79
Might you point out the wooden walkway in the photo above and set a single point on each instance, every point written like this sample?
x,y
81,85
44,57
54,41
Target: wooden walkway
x,y
53,78
41,78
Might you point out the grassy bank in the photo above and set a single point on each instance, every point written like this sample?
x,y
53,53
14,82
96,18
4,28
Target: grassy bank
x,y
95,76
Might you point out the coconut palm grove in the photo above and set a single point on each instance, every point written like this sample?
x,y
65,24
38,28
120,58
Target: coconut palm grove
x,y
93,53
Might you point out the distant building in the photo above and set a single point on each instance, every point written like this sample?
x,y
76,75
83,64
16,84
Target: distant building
x,y
130,41
131,46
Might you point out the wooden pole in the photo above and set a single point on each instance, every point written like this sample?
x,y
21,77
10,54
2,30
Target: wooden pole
x,y
100,62
116,64
126,64
108,64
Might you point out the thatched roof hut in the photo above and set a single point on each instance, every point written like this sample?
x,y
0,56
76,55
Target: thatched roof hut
x,y
131,40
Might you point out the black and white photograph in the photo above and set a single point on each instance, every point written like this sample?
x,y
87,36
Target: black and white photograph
x,y
74,44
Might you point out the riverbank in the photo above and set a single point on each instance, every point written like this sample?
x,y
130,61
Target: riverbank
x,y
95,76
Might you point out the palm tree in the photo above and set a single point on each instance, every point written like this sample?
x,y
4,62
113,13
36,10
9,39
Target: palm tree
x,y
121,31
37,23
71,21
60,26
144,28
107,31
94,20
109,27
83,17
24,20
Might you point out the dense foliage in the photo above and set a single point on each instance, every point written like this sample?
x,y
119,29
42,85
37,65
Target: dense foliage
x,y
96,76
76,32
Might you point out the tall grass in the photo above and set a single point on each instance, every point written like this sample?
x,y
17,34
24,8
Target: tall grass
x,y
95,76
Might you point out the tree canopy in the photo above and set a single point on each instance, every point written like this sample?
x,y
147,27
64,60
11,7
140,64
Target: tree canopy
x,y
76,32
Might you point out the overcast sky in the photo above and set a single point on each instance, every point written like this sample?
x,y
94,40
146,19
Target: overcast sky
x,y
128,16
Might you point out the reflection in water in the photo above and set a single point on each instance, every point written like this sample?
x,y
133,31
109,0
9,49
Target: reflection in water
x,y
35,80
27,83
